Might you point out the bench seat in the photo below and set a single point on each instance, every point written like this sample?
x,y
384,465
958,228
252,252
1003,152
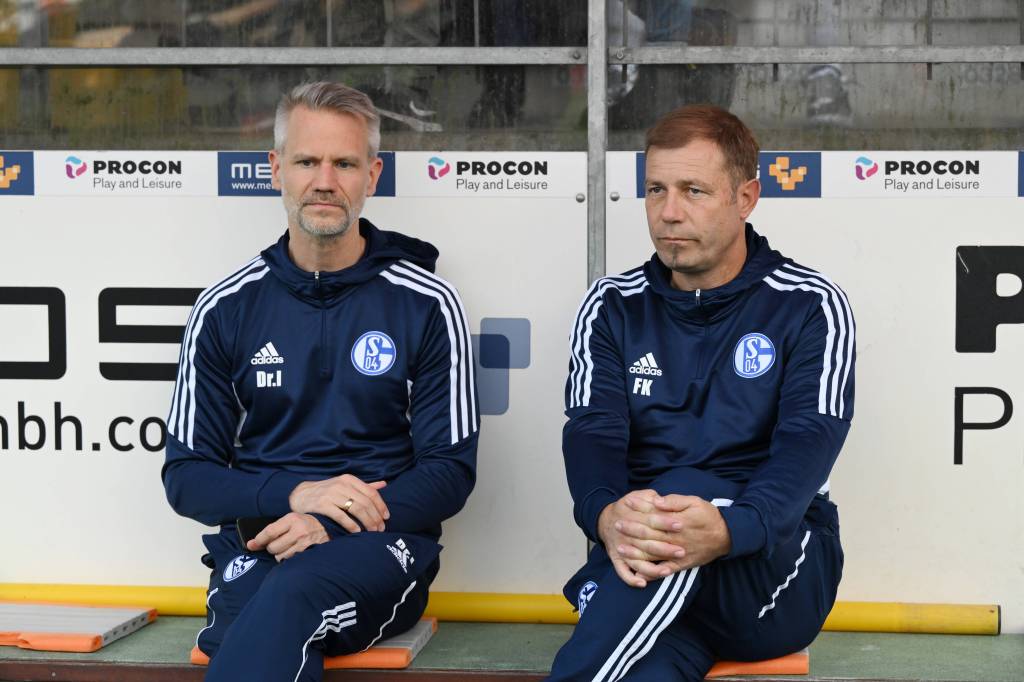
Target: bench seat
x,y
501,652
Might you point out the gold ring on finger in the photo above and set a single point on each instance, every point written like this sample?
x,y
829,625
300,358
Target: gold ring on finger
x,y
348,504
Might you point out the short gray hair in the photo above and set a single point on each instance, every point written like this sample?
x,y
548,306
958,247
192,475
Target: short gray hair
x,y
324,95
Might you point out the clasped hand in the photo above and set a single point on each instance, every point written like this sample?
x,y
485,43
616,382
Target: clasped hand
x,y
648,536
345,499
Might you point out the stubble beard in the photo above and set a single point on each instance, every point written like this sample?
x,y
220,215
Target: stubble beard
x,y
320,229
677,260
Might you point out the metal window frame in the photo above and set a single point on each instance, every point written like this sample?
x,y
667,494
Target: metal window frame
x,y
288,56
592,54
597,55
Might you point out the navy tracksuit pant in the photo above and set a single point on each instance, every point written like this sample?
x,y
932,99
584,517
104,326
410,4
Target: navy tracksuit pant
x,y
276,621
745,609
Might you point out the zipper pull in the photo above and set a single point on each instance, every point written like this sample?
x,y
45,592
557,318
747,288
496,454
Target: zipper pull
x,y
316,279
698,297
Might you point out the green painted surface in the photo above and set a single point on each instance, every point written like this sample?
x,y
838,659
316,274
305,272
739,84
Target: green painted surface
x,y
493,646
524,647
919,657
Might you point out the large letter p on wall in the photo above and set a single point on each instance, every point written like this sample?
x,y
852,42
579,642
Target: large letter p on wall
x,y
979,307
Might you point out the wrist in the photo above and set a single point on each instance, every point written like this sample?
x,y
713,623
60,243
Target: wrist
x,y
604,522
318,527
724,537
274,497
295,495
747,533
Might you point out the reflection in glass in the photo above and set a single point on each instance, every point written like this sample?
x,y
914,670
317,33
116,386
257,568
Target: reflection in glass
x,y
292,23
233,108
637,96
889,106
801,23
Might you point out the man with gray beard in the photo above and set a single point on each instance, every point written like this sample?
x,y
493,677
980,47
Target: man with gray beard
x,y
324,416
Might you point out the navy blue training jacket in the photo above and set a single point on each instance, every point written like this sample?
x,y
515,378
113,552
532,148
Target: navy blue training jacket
x,y
288,376
751,381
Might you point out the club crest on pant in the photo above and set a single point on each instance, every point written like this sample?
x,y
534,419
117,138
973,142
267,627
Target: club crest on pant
x,y
238,567
586,594
754,355
373,353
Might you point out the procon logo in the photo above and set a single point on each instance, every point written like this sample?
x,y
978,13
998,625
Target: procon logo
x,y
940,167
787,179
865,168
131,167
75,167
437,168
8,174
501,168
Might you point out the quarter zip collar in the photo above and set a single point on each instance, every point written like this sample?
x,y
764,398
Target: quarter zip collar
x,y
707,305
383,248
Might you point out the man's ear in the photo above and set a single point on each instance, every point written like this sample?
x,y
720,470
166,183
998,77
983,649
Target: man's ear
x,y
747,195
275,169
376,166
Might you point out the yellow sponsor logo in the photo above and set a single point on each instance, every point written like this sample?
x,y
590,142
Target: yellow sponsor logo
x,y
787,179
8,175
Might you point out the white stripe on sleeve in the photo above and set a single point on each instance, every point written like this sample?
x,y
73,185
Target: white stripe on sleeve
x,y
458,399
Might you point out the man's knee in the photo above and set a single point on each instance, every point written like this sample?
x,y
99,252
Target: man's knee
x,y
296,583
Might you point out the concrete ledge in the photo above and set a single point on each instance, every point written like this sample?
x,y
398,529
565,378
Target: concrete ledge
x,y
499,652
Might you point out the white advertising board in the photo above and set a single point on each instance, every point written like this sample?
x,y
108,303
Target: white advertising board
x,y
80,454
930,277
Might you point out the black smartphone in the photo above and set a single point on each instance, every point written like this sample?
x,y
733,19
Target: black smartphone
x,y
250,526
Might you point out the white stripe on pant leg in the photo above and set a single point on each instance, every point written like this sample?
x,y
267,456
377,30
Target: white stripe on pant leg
x,y
334,626
208,598
394,612
666,604
330,616
651,606
796,569
335,622
660,621
668,620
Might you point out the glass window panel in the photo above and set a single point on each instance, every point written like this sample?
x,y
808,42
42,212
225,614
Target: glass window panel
x,y
801,23
422,107
10,95
457,23
293,23
8,24
509,23
165,23
849,106
254,23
